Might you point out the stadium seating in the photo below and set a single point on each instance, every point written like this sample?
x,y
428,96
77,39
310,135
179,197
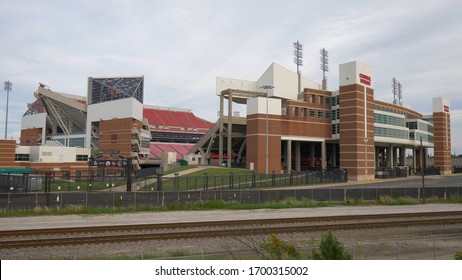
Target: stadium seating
x,y
158,148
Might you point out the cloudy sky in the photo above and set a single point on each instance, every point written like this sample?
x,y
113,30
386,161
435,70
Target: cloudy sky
x,y
182,46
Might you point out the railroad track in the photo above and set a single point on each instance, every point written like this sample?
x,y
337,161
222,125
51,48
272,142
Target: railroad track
x,y
216,229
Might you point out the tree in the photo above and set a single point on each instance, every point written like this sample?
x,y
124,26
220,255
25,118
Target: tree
x,y
268,247
276,249
330,249
458,256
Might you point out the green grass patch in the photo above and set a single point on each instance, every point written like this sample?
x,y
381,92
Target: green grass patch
x,y
214,205
222,171
179,169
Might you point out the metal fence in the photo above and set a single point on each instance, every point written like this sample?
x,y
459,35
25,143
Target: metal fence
x,y
18,201
148,181
247,181
457,169
435,248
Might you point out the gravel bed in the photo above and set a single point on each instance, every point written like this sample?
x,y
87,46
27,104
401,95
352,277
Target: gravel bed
x,y
368,244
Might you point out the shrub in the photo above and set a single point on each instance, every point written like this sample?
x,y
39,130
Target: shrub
x,y
330,249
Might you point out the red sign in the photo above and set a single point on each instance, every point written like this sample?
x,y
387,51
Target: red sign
x,y
446,108
112,90
364,79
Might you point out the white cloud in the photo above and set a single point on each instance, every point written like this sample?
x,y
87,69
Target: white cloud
x,y
181,46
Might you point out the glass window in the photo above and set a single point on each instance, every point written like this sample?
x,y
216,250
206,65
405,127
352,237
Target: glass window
x,y
320,114
22,157
328,114
81,158
312,113
77,142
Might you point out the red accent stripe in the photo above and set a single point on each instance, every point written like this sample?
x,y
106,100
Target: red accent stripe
x,y
366,82
365,77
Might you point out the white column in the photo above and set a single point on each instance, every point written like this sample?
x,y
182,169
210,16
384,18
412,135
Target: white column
x,y
220,134
230,128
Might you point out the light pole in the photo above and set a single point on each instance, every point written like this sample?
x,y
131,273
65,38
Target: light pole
x,y
267,87
422,166
7,88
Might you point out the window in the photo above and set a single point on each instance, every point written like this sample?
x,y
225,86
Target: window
x,y
391,132
338,114
328,114
319,99
312,98
334,114
312,113
328,101
334,129
320,114
77,142
81,158
338,128
303,113
294,111
386,119
22,157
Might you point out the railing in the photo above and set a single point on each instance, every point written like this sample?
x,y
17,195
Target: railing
x,y
457,169
87,197
387,173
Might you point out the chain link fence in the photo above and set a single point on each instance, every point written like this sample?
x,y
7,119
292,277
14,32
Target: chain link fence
x,y
18,201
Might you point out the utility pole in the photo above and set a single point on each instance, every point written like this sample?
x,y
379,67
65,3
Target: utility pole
x,y
8,88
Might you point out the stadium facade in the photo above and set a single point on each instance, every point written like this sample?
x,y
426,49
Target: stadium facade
x,y
287,130
284,130
60,131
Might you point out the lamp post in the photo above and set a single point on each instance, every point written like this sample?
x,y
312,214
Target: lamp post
x,y
267,87
422,163
7,88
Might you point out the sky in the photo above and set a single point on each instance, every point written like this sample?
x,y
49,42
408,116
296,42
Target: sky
x,y
182,46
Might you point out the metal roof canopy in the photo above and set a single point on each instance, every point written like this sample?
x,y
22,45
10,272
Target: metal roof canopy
x,y
241,96
64,110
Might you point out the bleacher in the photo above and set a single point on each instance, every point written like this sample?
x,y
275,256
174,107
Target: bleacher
x,y
173,130
158,148
175,119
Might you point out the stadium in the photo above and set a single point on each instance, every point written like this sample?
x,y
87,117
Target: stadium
x,y
291,124
62,132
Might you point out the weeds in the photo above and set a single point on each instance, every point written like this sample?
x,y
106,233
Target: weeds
x,y
215,205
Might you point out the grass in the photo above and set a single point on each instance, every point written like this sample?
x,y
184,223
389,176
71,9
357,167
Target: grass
x,y
214,205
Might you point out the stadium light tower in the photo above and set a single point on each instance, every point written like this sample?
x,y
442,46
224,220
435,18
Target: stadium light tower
x,y
324,66
394,90
8,87
267,87
397,90
400,94
298,60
